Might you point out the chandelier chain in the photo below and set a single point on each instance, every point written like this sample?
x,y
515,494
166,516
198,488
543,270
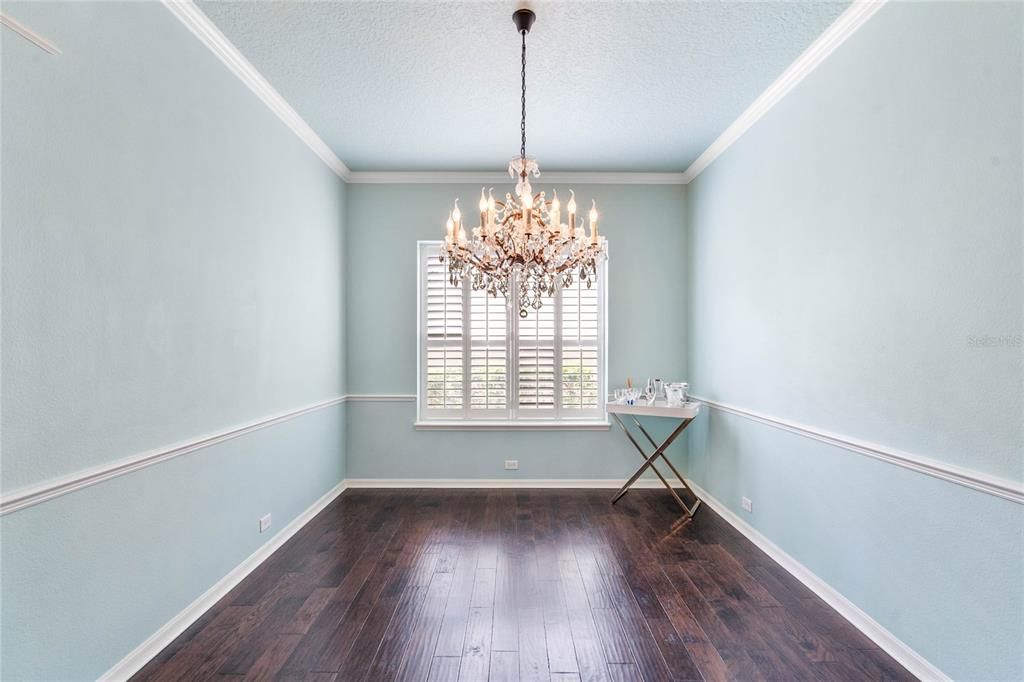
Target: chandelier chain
x,y
522,148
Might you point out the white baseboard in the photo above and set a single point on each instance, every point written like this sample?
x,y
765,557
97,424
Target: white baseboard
x,y
613,483
133,662
886,641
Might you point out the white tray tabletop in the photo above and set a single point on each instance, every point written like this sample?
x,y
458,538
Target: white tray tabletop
x,y
660,408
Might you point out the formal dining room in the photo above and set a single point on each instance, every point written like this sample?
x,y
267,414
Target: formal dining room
x,y
504,341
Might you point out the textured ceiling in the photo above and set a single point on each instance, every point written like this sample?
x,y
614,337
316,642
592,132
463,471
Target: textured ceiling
x,y
629,86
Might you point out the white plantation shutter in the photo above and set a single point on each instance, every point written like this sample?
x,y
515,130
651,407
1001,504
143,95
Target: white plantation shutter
x,y
581,335
536,354
488,338
442,319
480,360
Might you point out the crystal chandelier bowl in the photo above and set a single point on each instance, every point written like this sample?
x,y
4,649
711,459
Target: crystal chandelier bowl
x,y
521,248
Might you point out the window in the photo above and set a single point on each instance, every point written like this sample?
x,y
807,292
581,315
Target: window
x,y
480,362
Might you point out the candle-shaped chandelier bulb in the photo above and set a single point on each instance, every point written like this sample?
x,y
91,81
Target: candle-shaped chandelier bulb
x,y
483,211
556,214
571,208
520,248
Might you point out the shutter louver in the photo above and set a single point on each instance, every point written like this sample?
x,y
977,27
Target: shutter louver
x,y
488,352
444,352
536,356
581,335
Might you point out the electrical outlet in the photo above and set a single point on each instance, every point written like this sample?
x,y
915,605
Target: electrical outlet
x,y
264,522
511,464
748,506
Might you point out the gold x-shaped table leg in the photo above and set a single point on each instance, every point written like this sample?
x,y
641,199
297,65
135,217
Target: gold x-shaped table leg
x,y
659,451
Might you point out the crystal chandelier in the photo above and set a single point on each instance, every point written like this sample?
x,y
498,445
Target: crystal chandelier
x,y
521,248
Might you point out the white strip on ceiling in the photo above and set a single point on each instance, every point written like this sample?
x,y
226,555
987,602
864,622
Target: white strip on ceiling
x,y
189,14
28,34
842,28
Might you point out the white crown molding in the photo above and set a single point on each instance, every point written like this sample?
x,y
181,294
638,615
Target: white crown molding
x,y
193,18
142,654
36,494
872,629
493,178
28,34
842,28
975,480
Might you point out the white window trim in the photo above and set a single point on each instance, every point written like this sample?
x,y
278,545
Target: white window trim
x,y
597,420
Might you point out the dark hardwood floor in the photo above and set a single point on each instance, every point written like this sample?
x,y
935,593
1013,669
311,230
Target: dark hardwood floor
x,y
519,585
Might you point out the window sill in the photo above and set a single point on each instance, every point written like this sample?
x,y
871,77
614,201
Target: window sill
x,y
498,425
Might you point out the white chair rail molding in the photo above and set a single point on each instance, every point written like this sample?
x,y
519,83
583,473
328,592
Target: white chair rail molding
x,y
488,341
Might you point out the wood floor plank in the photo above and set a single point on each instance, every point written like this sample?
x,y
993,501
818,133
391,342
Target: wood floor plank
x,y
445,669
392,649
631,556
305,676
614,645
533,648
195,657
353,590
272,659
483,586
424,629
476,653
310,610
624,672
585,638
557,635
401,590
504,666
395,643
389,572
519,585
456,611
505,635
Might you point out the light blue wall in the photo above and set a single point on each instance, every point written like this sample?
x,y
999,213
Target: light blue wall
x,y
646,331
89,576
844,256
171,268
